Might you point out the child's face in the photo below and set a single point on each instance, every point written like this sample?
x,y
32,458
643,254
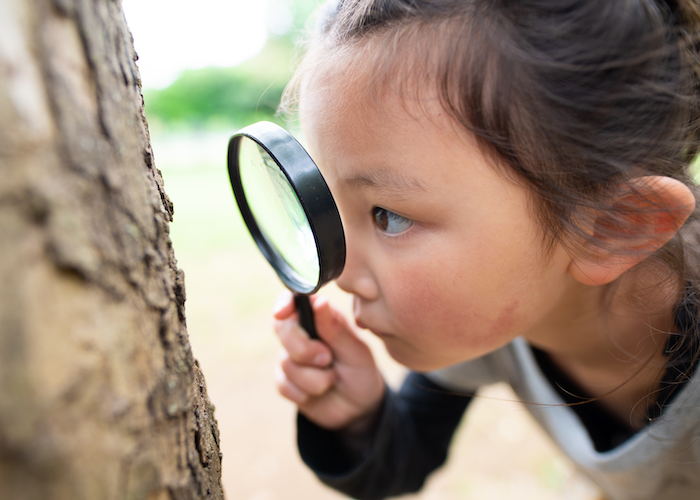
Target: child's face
x,y
444,258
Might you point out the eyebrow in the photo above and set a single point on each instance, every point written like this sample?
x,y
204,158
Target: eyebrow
x,y
386,179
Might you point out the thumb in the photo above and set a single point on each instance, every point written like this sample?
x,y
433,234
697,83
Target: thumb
x,y
335,330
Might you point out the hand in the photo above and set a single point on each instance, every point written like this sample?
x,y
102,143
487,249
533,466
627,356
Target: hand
x,y
335,383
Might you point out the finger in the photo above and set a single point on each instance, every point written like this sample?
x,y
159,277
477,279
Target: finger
x,y
288,390
337,332
300,347
310,380
284,305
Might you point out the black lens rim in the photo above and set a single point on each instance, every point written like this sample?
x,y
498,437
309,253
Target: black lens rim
x,y
313,193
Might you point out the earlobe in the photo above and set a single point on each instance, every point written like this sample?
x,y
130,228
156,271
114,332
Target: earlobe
x,y
646,214
587,270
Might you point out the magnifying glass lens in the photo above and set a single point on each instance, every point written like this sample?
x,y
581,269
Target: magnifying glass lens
x,y
278,213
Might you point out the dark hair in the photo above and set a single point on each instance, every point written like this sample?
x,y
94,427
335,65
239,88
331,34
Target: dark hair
x,y
576,97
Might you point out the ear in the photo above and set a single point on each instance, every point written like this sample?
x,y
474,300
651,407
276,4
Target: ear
x,y
647,213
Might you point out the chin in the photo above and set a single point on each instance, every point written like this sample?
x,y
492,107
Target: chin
x,y
417,362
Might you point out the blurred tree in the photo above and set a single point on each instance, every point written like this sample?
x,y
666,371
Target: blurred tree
x,y
101,397
249,92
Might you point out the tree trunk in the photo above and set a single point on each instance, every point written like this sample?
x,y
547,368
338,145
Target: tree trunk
x,y
100,396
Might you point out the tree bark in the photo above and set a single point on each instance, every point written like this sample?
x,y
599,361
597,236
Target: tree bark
x,y
100,396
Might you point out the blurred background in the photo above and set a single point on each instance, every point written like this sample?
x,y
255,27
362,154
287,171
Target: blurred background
x,y
209,68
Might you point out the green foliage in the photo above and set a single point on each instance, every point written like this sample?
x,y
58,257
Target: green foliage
x,y
234,97
218,97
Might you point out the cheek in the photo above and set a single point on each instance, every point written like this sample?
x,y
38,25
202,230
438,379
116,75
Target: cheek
x,y
437,310
508,317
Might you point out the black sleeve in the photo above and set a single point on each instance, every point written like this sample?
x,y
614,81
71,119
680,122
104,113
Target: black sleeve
x,y
410,441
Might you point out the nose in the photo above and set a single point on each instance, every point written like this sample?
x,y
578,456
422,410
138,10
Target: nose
x,y
357,277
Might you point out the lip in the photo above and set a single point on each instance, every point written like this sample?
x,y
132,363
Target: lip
x,y
380,334
363,324
360,324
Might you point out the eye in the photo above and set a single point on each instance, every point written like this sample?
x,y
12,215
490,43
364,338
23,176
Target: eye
x,y
389,222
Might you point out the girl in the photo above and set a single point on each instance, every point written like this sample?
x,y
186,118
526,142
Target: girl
x,y
514,183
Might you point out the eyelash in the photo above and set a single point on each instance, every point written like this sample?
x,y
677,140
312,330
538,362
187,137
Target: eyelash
x,y
379,213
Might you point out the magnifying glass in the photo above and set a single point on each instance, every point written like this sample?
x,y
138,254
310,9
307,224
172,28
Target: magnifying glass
x,y
289,211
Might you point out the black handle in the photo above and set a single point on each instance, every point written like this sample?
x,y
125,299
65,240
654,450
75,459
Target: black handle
x,y
306,314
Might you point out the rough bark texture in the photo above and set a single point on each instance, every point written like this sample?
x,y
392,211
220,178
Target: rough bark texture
x,y
100,396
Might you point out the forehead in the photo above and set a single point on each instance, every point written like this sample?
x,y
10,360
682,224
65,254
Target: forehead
x,y
377,139
362,70
359,85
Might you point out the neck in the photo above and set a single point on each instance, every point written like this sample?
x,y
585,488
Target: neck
x,y
611,342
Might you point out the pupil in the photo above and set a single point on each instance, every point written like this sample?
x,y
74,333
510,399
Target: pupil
x,y
382,218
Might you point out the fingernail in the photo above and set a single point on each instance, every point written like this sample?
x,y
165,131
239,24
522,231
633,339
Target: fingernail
x,y
281,301
322,359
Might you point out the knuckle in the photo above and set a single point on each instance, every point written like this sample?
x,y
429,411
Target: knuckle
x,y
289,367
312,380
292,341
320,384
287,393
296,351
300,351
283,329
291,392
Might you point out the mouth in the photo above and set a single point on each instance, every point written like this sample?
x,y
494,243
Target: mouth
x,y
380,334
365,326
360,324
